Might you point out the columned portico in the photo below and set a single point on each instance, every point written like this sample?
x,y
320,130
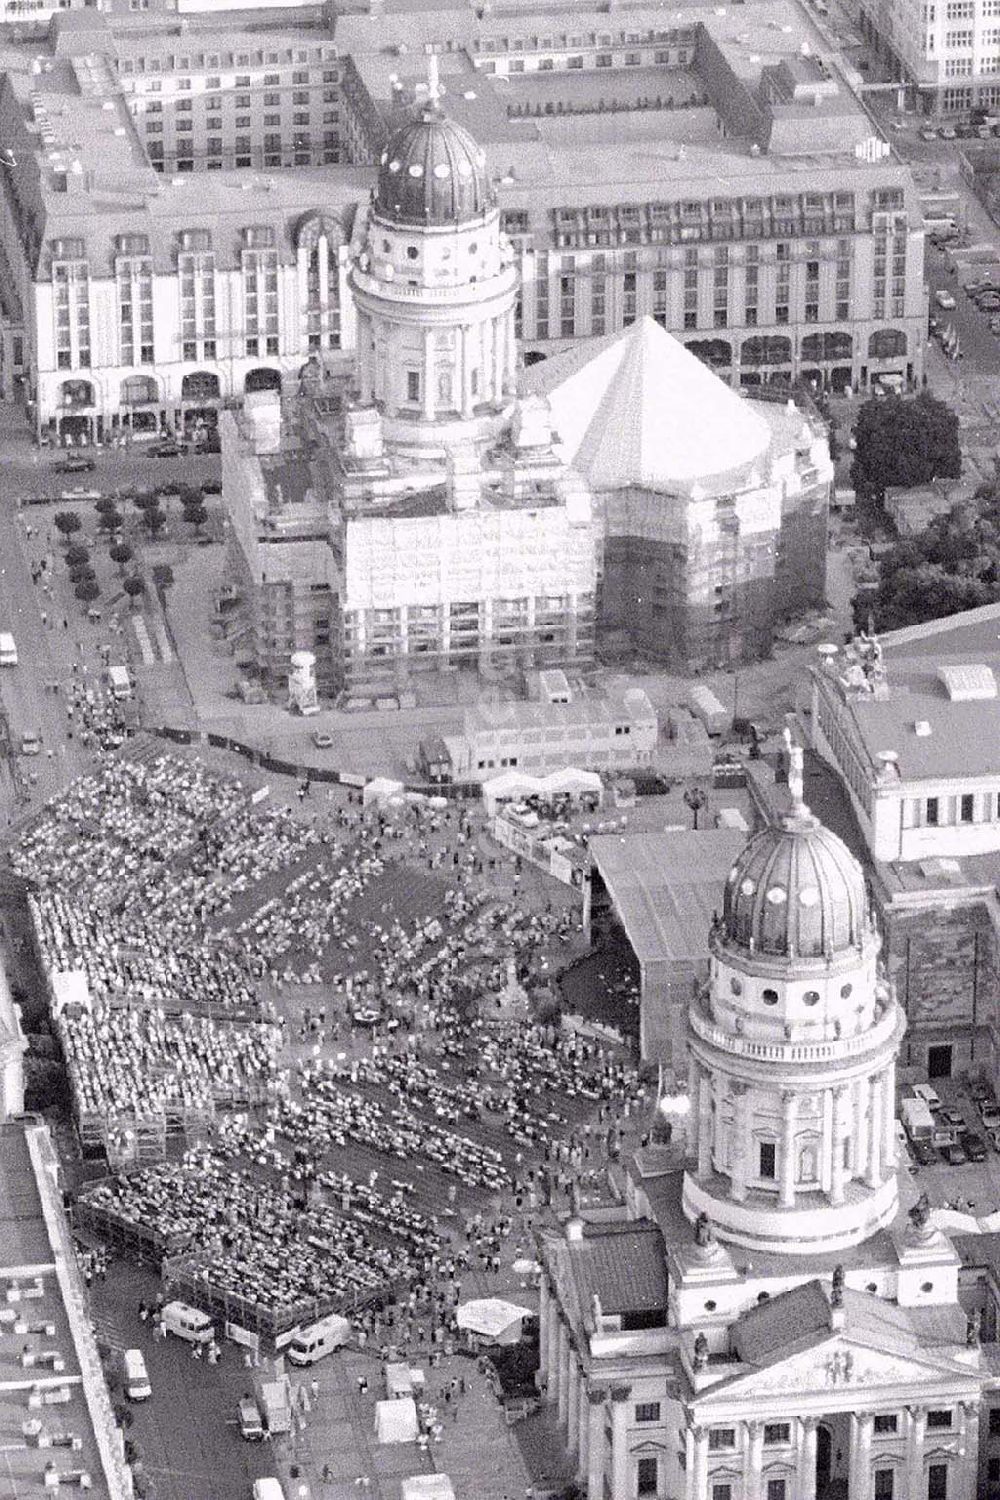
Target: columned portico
x,y
620,1399
596,1444
806,1467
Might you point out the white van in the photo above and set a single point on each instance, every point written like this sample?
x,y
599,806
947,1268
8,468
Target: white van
x,y
188,1323
268,1489
137,1386
8,649
928,1093
318,1339
119,682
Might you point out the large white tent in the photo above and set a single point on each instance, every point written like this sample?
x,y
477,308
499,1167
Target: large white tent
x,y
396,1421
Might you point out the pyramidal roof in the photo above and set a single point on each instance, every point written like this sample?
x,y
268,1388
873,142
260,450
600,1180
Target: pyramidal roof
x,y
637,408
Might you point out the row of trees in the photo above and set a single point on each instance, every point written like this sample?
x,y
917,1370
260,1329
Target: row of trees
x,y
69,523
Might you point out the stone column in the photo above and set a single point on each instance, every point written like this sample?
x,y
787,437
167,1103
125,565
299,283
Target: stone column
x,y
552,1357
467,364
498,357
875,1133
860,1154
596,1445
302,280
753,1456
915,1428
889,1118
582,1427
620,1399
838,1173
738,1154
364,359
704,1126
573,1405
563,1373
807,1458
697,1464
786,1195
861,1455
970,1444
694,1075
430,381
510,345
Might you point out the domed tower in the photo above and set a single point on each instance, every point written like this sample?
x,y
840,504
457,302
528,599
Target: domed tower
x,y
792,1049
434,285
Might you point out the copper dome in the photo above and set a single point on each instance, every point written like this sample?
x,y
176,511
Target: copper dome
x,y
796,891
432,172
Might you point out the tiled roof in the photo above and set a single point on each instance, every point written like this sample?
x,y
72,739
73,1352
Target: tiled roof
x,y
624,1264
767,1330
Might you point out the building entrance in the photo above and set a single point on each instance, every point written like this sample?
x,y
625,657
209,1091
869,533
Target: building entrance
x,y
939,1061
833,1457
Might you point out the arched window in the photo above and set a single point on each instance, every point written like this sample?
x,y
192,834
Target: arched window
x,y
76,394
318,238
200,385
770,997
766,349
717,353
139,390
887,343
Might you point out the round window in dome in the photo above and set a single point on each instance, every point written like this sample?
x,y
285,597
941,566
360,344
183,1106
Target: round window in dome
x,y
770,997
464,169
811,997
846,990
394,166
442,170
735,986
473,248
415,169
777,895
809,896
710,1306
412,252
747,888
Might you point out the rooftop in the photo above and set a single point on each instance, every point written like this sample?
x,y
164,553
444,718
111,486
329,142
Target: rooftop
x,y
37,1258
666,887
932,734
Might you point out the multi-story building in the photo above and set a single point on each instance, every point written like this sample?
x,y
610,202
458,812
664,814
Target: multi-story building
x,y
948,51
149,301
755,215
175,215
763,1321
607,734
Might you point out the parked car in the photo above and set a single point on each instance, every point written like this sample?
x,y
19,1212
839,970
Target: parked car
x,y
322,740
954,1155
989,1113
945,300
973,1145
952,1115
923,1153
948,133
169,450
74,463
928,134
981,1093
212,487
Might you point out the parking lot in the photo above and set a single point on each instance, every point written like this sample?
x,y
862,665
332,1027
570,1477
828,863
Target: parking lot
x,y
963,1186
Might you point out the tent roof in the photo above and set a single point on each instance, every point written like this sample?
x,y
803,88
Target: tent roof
x,y
490,1316
396,1421
638,408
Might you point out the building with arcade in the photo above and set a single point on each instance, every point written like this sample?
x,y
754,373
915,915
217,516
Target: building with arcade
x,y
774,1313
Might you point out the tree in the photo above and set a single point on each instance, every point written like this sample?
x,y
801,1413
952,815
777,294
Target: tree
x,y
695,799
77,554
953,565
144,500
87,591
67,522
134,586
155,519
163,577
903,443
106,503
196,516
81,574
121,553
111,520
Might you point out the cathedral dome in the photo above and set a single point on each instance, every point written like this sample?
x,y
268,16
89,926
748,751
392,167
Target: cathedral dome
x,y
796,891
432,172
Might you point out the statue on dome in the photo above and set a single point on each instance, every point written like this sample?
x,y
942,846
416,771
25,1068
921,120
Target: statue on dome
x,y
703,1233
837,1287
700,1352
973,1324
920,1213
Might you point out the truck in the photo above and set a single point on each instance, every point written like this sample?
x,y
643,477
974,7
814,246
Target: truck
x,y
134,1376
319,1339
706,706
119,682
274,1400
8,649
917,1119
31,742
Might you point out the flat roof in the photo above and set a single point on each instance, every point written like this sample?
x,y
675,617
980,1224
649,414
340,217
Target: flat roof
x,y
954,739
28,1257
666,886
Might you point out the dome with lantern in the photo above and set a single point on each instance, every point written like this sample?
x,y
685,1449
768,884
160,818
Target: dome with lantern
x,y
433,172
796,891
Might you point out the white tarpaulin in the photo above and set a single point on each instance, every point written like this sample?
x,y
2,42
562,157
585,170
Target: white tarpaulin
x,y
493,1318
396,1421
427,1487
954,1223
380,791
69,987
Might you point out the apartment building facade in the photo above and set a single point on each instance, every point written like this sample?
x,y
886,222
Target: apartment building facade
x,y
947,50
